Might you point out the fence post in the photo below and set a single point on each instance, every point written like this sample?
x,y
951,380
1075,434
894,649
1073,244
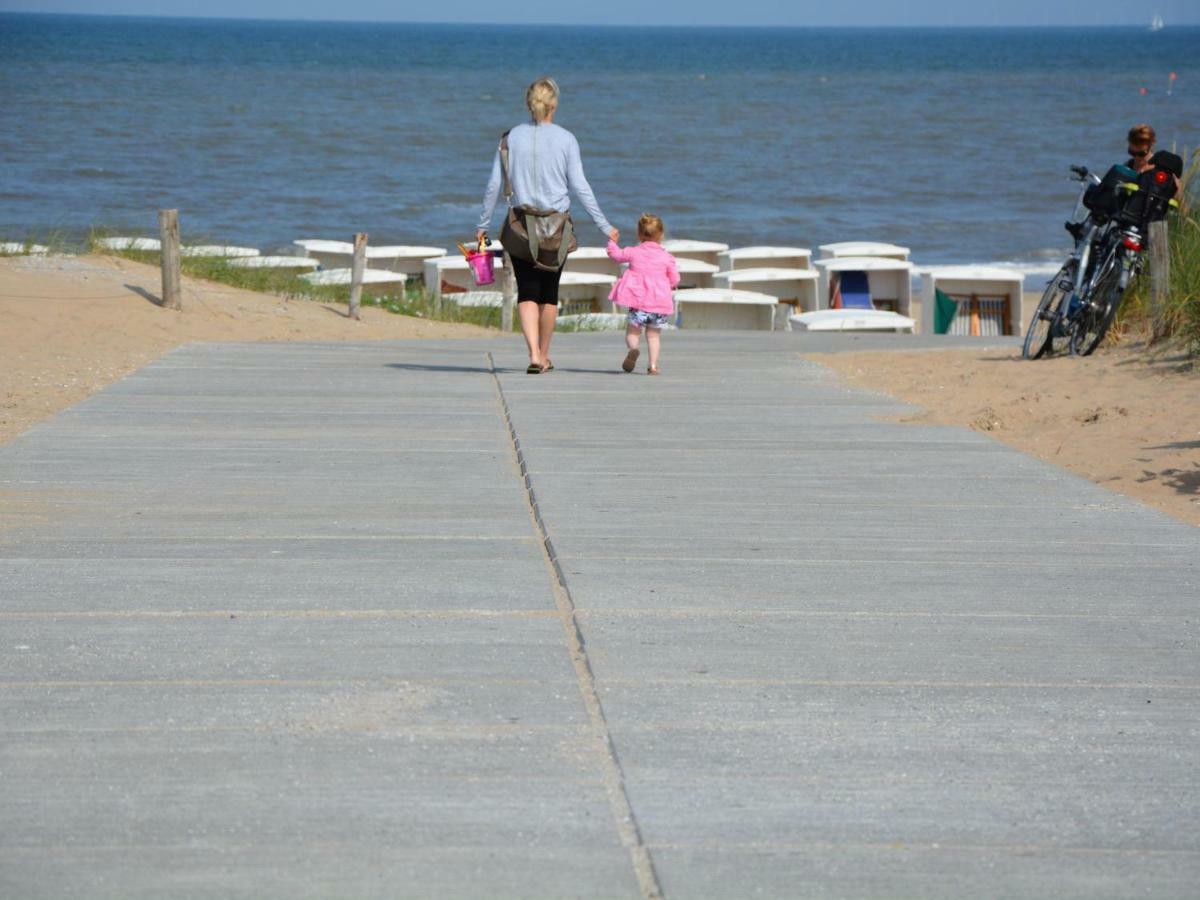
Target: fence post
x,y
168,234
1160,275
356,272
509,285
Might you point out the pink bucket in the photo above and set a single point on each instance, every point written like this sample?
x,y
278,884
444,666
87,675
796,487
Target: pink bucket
x,y
482,268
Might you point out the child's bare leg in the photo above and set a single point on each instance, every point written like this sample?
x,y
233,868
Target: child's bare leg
x,y
632,333
652,342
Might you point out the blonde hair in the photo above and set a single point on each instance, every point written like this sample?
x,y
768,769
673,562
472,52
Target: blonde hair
x,y
650,227
1141,136
542,98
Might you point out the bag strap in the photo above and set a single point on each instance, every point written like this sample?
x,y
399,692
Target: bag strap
x,y
564,246
508,191
534,240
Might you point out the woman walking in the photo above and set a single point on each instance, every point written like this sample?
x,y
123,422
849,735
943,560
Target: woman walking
x,y
544,169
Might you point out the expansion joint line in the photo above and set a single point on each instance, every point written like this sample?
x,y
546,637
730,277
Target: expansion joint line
x,y
614,777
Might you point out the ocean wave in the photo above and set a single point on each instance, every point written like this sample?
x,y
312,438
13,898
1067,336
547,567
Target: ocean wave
x,y
94,172
1030,268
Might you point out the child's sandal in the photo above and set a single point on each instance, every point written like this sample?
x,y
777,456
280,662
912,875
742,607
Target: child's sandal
x,y
652,371
630,360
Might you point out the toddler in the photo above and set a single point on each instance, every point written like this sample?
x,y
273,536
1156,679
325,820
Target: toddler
x,y
645,289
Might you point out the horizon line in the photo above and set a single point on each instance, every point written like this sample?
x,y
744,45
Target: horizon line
x,y
673,26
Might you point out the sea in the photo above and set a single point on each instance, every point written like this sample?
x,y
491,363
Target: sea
x,y
953,142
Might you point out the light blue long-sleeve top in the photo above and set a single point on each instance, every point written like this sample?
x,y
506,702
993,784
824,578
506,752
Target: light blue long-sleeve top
x,y
545,168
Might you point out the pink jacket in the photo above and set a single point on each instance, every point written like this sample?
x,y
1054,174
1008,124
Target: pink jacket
x,y
649,280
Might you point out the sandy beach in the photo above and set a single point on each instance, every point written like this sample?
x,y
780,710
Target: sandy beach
x,y
69,325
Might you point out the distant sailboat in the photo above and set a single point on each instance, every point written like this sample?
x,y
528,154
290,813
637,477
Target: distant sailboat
x,y
1156,24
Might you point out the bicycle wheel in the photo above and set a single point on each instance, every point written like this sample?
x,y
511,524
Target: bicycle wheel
x,y
1046,321
1093,321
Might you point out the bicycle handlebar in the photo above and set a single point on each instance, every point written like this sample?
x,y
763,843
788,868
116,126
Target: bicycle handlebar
x,y
1081,171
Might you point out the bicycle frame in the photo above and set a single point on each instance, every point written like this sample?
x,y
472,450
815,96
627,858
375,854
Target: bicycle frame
x,y
1083,246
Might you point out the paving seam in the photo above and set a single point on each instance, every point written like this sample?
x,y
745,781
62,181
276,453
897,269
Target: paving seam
x,y
614,776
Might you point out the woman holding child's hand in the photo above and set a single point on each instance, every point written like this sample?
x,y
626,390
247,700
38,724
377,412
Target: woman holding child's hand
x,y
545,169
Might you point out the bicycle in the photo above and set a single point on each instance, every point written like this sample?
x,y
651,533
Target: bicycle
x,y
1082,299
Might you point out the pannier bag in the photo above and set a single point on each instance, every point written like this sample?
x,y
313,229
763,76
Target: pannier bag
x,y
543,237
1156,187
1107,198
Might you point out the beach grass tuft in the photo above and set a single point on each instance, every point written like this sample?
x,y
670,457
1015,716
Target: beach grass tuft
x,y
411,300
55,241
1177,323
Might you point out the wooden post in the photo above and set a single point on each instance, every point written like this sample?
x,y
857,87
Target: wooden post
x,y
509,286
356,272
1160,275
168,233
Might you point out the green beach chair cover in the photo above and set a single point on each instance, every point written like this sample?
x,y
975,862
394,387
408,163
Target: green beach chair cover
x,y
944,311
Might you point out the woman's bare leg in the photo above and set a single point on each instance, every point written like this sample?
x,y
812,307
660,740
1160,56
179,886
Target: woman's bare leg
x,y
529,314
652,342
547,317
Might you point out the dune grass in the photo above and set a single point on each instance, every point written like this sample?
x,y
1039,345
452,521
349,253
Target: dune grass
x,y
1177,323
55,241
411,300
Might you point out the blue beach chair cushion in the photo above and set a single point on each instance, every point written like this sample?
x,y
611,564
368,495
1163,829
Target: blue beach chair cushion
x,y
856,291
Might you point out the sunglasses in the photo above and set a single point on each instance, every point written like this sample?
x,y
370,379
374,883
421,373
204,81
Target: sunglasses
x,y
1133,152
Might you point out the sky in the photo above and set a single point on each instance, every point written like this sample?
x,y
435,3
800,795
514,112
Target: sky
x,y
654,12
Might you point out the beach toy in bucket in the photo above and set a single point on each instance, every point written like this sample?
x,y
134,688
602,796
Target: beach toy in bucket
x,y
480,261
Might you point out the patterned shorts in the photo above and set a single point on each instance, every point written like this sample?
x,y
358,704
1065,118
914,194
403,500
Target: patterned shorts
x,y
639,318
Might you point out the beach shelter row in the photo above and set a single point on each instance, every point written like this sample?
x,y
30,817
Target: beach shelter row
x,y
851,285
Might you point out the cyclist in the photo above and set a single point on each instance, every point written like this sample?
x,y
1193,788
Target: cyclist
x,y
1141,145
1141,150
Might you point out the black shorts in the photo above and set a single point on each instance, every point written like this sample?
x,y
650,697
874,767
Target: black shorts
x,y
535,285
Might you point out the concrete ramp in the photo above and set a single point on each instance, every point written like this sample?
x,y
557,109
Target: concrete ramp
x,y
398,620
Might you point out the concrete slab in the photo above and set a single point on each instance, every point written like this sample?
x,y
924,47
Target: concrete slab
x,y
868,647
840,609
357,867
275,627
393,708
906,869
994,583
321,646
514,579
988,812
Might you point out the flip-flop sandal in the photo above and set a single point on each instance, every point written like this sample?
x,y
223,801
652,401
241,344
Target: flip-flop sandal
x,y
652,371
534,369
630,360
549,367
